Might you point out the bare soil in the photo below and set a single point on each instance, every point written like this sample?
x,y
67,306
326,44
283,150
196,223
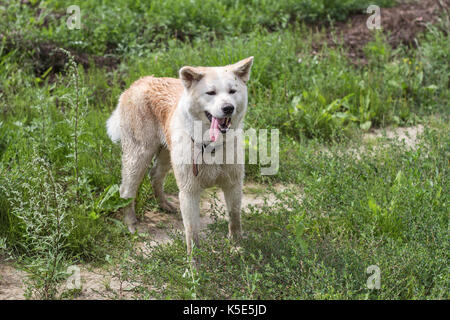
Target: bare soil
x,y
48,55
11,285
408,135
401,24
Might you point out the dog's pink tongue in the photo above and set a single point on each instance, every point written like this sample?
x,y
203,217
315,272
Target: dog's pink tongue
x,y
214,130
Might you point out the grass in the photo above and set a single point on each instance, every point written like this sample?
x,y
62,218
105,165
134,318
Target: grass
x,y
151,25
386,206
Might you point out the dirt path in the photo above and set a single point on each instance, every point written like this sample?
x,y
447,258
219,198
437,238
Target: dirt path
x,y
158,225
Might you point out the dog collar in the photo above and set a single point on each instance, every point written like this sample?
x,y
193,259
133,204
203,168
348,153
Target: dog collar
x,y
194,157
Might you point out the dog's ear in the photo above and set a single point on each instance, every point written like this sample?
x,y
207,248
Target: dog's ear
x,y
190,74
242,68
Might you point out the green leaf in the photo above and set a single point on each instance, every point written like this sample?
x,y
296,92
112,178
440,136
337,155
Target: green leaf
x,y
110,201
366,125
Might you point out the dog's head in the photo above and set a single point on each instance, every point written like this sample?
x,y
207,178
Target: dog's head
x,y
217,96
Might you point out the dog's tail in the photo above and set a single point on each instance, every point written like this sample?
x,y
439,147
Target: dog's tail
x,y
113,125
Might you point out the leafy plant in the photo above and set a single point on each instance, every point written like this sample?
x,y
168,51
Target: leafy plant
x,y
109,201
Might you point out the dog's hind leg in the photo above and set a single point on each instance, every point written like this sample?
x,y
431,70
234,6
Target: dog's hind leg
x,y
135,161
157,175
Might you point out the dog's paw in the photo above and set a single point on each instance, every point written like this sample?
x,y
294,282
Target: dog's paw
x,y
132,227
130,219
171,206
235,236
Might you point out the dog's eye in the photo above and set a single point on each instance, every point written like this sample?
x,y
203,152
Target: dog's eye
x,y
211,93
232,91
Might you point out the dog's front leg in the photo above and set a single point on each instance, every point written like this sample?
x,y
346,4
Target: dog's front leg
x,y
190,211
233,197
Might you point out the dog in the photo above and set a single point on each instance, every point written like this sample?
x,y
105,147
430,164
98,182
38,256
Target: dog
x,y
156,119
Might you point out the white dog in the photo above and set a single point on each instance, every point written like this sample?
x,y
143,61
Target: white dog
x,y
157,117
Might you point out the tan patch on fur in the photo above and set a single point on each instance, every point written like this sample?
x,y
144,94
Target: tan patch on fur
x,y
154,100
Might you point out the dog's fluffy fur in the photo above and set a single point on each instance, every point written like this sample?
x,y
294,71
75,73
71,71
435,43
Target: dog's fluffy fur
x,y
155,119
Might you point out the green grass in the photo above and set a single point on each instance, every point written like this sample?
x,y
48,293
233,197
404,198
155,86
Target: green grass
x,y
387,206
137,28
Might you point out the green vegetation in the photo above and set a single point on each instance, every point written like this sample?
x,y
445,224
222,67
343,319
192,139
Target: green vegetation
x,y
386,205
144,26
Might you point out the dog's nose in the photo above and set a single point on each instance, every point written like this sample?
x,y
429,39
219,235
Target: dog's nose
x,y
228,109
